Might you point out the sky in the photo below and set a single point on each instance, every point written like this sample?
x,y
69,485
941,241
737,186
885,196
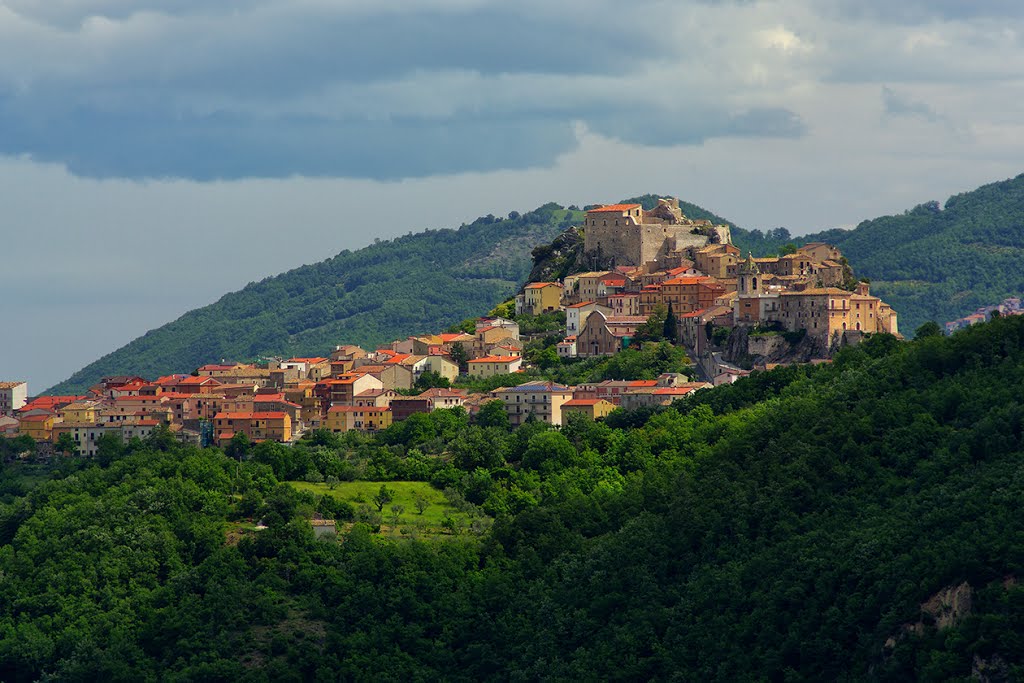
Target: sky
x,y
156,154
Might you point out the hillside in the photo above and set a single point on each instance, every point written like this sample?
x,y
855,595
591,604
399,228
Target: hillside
x,y
416,283
858,520
939,263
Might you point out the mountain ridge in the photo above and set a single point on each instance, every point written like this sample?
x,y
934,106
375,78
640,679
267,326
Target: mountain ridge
x,y
931,262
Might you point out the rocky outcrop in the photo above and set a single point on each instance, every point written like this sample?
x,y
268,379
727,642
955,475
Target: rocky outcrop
x,y
561,257
945,609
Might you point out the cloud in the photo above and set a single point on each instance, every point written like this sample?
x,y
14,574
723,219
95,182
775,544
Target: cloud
x,y
924,11
899,105
356,89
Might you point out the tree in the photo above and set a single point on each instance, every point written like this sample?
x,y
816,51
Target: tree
x,y
459,355
65,444
109,448
421,503
383,497
654,328
396,513
492,414
239,446
928,329
430,380
670,328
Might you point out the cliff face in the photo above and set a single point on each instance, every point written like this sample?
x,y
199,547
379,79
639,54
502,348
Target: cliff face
x,y
563,256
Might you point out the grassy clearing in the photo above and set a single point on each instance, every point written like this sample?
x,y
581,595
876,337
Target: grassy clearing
x,y
360,495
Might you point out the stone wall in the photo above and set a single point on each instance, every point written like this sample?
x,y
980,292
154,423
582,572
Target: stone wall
x,y
765,344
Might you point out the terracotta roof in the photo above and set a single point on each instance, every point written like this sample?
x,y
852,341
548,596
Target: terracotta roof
x,y
542,285
233,416
582,304
311,361
672,391
819,291
36,418
693,314
582,402
618,208
496,359
643,383
198,380
268,397
10,385
443,393
692,280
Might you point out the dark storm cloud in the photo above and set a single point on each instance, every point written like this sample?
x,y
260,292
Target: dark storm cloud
x,y
271,89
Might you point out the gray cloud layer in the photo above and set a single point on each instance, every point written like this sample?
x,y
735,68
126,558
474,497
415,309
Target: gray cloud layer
x,y
357,89
800,113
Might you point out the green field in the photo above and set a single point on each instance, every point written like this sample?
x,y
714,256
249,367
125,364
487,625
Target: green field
x,y
410,522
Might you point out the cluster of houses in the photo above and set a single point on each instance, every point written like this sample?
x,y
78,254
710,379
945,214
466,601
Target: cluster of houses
x,y
702,278
656,258
350,389
1010,306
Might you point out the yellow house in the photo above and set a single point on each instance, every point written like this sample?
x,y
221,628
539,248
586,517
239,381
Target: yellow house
x,y
544,400
591,408
39,427
341,418
489,366
363,418
271,426
374,419
541,297
80,412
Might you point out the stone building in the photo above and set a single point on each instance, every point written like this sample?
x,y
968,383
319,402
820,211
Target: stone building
x,y
628,235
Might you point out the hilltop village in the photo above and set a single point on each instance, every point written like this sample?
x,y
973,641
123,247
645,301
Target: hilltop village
x,y
731,313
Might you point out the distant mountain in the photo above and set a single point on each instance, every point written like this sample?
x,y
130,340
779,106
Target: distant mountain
x,y
417,283
938,263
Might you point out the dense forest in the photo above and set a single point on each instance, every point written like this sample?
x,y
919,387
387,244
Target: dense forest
x,y
787,527
414,284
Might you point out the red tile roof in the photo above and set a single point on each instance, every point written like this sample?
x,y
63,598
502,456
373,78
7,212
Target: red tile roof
x,y
576,402
692,280
233,416
617,208
198,380
496,359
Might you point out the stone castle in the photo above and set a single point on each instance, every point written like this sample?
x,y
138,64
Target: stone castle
x,y
628,235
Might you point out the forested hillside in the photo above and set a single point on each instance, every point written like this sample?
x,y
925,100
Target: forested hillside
x,y
787,527
414,284
940,263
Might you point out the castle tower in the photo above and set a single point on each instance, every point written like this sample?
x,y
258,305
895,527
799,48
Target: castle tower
x,y
749,282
